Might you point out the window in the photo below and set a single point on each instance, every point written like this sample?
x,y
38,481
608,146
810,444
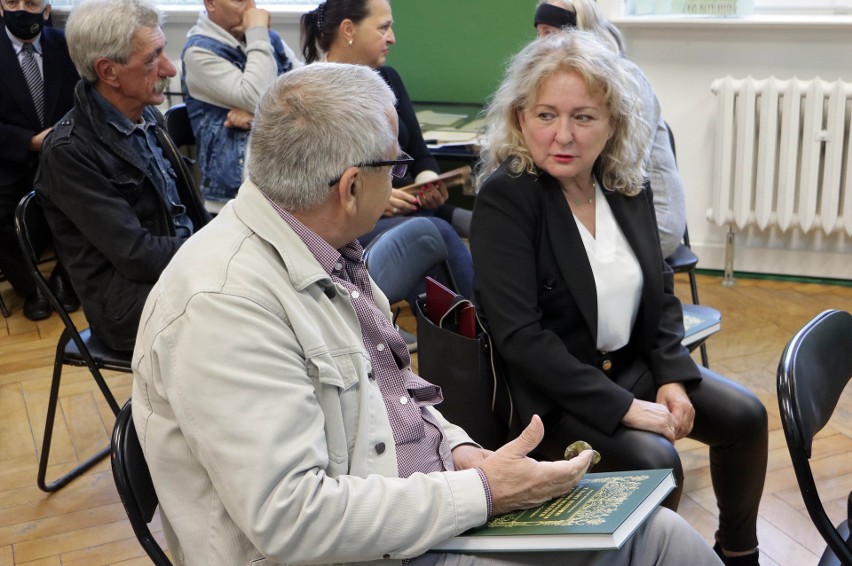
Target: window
x,y
803,6
738,7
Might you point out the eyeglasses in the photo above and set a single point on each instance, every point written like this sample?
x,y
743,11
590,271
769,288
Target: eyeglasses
x,y
400,166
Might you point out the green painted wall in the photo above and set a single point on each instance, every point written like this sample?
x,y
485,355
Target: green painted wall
x,y
456,50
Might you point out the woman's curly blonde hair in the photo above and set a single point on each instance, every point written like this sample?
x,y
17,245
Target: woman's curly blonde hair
x,y
622,161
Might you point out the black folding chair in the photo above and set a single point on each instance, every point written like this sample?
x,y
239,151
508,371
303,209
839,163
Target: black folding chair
x,y
134,484
683,260
3,308
813,372
75,347
178,125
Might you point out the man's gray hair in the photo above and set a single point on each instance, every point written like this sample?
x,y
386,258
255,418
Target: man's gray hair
x,y
312,124
105,28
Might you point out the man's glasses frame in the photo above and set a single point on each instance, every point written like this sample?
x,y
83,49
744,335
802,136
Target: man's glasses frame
x,y
399,169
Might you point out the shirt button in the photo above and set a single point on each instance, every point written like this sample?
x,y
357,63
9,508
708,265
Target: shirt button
x,y
403,400
338,266
607,365
355,294
380,347
380,448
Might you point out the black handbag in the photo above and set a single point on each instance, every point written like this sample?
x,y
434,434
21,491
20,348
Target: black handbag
x,y
476,395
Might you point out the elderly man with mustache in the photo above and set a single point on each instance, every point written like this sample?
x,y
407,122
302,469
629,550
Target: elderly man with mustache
x,y
116,193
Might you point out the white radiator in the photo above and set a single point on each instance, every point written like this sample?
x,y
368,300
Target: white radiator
x,y
782,155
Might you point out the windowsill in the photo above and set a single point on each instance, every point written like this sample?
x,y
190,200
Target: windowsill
x,y
281,14
737,22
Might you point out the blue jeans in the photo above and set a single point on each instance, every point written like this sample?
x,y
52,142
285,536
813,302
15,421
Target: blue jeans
x,y
459,259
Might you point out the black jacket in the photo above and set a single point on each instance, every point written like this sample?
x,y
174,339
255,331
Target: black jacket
x,y
112,231
535,283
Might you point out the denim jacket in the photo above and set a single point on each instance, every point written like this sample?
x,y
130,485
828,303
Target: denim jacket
x,y
221,150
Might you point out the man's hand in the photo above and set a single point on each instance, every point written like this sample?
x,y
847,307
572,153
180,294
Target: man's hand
x,y
239,118
674,397
519,482
653,417
467,456
254,17
38,140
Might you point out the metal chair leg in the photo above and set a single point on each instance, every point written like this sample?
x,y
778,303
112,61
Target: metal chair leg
x,y
3,308
53,402
693,287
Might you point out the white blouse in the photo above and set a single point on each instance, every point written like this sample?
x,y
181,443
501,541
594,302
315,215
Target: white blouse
x,y
618,278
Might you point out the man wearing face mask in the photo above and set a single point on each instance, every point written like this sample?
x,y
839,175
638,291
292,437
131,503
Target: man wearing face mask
x,y
37,81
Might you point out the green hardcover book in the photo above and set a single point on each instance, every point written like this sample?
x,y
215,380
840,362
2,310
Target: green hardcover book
x,y
601,512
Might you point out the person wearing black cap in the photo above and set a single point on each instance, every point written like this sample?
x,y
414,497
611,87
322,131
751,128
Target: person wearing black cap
x,y
666,184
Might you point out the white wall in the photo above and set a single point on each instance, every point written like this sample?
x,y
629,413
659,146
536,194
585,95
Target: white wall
x,y
681,60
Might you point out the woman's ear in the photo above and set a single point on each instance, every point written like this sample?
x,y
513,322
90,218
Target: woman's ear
x,y
347,30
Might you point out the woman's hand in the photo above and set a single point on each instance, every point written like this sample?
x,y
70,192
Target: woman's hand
x,y
433,195
400,203
674,397
653,417
239,118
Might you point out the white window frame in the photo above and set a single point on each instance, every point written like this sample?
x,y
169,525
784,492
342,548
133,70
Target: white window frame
x,y
802,6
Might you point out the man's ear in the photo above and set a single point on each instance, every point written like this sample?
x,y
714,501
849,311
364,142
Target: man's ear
x,y
348,189
105,69
46,12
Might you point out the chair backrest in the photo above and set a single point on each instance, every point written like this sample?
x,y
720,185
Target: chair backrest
x,y
134,484
33,235
179,126
399,258
813,372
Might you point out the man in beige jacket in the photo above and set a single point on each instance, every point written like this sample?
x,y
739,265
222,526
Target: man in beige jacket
x,y
273,397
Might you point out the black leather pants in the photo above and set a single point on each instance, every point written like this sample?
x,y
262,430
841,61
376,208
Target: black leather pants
x,y
728,418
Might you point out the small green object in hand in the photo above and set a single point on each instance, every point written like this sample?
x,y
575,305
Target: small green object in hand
x,y
575,448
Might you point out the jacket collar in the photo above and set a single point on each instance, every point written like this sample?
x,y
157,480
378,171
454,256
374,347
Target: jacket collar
x,y
255,211
89,112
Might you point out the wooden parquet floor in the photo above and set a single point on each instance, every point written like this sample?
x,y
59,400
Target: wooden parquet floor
x,y
84,523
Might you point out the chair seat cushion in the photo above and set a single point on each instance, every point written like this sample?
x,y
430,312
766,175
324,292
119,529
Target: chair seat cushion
x,y
103,355
682,259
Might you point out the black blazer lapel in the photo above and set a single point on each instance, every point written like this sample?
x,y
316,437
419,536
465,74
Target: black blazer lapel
x,y
13,80
55,65
564,238
634,216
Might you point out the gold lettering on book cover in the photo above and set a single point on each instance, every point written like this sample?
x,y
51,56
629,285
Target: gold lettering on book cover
x,y
589,503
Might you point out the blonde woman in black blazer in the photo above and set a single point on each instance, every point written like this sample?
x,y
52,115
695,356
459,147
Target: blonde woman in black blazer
x,y
563,217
